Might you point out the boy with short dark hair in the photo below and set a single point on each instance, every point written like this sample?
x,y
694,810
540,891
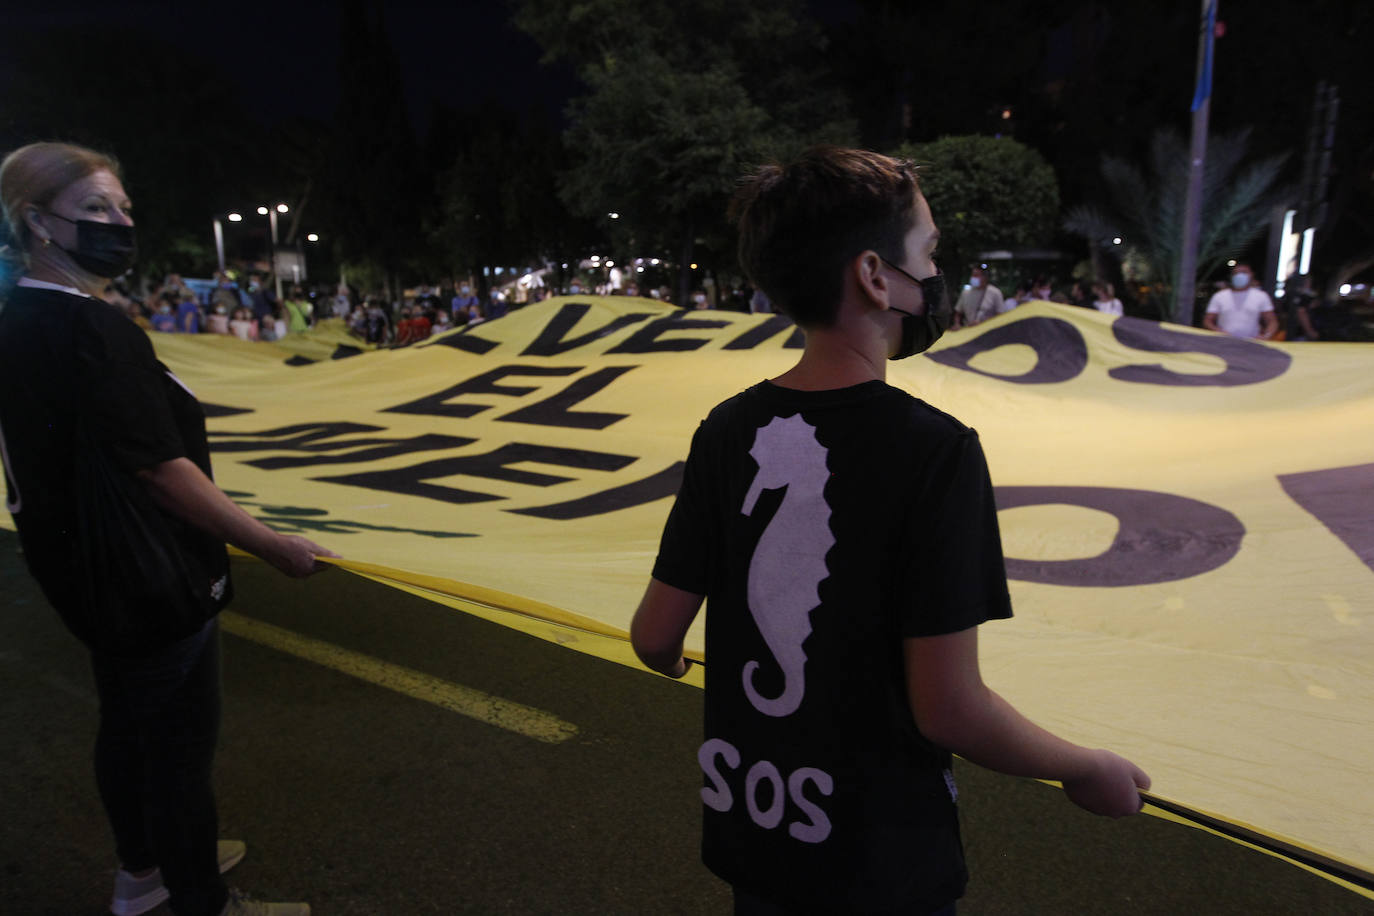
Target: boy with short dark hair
x,y
847,537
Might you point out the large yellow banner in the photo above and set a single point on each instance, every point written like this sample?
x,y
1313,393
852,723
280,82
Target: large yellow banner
x,y
1188,518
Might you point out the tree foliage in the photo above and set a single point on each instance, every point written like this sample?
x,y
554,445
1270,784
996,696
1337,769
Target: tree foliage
x,y
681,100
985,192
498,203
1145,208
372,183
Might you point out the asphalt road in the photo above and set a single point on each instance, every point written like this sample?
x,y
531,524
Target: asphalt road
x,y
365,800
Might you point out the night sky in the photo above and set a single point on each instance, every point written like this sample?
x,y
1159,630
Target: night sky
x,y
279,61
282,58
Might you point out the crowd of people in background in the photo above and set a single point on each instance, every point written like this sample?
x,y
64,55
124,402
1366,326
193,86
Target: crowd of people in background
x,y
246,305
1239,306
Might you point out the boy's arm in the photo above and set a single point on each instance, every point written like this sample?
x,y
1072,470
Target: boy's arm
x,y
660,625
956,710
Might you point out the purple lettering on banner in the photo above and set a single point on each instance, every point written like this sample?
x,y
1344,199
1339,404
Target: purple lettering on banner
x,y
1161,537
1247,362
1342,499
1060,351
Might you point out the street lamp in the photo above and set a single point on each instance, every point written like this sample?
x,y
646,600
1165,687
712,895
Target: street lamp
x,y
271,214
219,236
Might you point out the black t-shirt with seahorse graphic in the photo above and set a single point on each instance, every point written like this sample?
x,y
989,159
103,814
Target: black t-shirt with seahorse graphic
x,y
824,527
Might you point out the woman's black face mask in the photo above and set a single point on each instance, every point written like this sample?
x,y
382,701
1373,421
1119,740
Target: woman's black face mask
x,y
920,331
104,249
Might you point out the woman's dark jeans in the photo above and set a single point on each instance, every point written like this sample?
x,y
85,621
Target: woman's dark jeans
x,y
159,722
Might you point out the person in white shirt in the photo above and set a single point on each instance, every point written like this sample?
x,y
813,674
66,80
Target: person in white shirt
x,y
979,302
1244,310
1105,301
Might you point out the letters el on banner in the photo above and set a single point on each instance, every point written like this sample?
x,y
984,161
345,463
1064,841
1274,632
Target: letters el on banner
x,y
1185,516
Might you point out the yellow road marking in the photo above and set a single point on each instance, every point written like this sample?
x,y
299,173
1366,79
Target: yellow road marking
x,y
516,717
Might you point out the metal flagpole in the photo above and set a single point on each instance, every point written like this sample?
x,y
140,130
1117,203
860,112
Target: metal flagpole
x,y
1197,159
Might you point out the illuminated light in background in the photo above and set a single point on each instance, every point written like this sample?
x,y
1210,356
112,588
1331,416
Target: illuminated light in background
x,y
639,270
235,217
312,237
694,267
613,215
283,208
1305,262
1345,289
262,211
1231,263
1117,240
1288,251
610,263
653,261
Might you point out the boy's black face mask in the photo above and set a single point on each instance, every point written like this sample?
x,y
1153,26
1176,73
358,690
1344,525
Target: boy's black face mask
x,y
920,331
104,249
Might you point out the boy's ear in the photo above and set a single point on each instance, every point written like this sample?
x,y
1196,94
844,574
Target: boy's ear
x,y
870,279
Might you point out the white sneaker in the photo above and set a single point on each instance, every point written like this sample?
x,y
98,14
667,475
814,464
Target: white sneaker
x,y
133,896
239,905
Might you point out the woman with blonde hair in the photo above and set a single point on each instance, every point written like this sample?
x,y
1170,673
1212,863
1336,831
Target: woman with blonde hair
x,y
107,473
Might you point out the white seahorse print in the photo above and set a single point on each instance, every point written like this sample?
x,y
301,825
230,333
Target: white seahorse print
x,y
788,564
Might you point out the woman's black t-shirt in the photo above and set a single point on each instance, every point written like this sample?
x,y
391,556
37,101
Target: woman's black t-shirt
x,y
67,359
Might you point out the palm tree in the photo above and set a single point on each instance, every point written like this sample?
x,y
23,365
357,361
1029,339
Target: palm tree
x,y
1142,218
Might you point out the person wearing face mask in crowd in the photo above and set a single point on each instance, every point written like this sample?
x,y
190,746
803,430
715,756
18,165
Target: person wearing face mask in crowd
x,y
225,293
263,302
442,323
217,322
164,317
1244,310
174,284
242,324
979,302
298,310
462,302
94,431
189,317
845,535
427,299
